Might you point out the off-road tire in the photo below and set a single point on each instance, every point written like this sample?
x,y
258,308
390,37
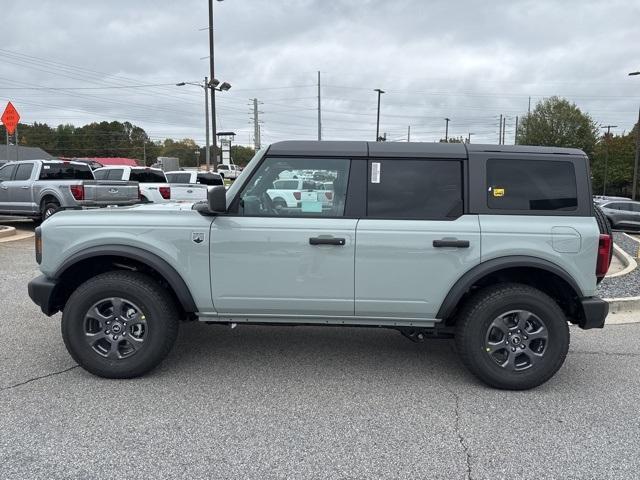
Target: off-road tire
x,y
159,312
483,308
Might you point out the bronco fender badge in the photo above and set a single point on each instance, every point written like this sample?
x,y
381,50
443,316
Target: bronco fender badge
x,y
197,237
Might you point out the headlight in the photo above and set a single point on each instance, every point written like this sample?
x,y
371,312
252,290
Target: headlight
x,y
38,245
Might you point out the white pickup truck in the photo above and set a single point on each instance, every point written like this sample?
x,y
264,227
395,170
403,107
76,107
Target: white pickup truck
x,y
153,184
229,171
290,192
192,186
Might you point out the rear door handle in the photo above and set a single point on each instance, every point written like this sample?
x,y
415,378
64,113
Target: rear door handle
x,y
327,241
451,243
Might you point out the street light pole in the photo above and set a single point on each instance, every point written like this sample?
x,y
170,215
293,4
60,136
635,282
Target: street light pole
x,y
380,92
207,153
446,130
635,163
606,157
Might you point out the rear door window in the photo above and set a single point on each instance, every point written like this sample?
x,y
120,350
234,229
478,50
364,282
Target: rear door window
x,y
178,177
100,174
115,174
418,189
65,171
516,184
24,171
147,176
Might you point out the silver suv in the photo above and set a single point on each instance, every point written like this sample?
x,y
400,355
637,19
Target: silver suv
x,y
500,247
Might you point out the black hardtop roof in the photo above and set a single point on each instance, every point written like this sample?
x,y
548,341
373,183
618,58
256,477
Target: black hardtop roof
x,y
403,149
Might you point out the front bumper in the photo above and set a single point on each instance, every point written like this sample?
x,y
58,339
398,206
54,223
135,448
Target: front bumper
x,y
595,312
41,290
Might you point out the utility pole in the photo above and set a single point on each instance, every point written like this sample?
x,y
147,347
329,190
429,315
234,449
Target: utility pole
x,y
504,128
319,111
207,154
469,137
635,164
408,133
446,130
380,92
500,131
213,91
144,152
256,126
515,137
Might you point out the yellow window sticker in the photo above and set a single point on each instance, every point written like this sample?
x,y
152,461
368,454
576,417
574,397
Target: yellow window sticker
x,y
498,192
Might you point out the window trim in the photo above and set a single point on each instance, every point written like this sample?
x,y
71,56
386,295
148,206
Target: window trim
x,y
234,205
463,187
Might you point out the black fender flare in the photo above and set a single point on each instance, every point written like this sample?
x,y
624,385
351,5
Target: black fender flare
x,y
483,269
152,260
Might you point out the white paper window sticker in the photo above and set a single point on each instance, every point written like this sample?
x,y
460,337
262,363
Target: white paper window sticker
x,y
375,172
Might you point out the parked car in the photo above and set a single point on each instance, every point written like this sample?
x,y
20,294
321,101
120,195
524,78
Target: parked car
x,y
229,171
622,214
153,183
500,247
40,188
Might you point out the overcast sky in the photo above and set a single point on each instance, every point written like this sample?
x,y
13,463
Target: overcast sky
x,y
467,60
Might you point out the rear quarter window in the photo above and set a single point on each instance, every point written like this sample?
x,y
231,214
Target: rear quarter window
x,y
541,185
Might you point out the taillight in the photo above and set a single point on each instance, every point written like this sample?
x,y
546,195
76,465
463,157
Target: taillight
x,y
604,255
329,195
165,192
77,191
296,195
38,245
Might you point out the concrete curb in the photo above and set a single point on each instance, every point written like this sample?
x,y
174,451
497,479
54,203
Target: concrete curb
x,y
627,260
17,235
6,231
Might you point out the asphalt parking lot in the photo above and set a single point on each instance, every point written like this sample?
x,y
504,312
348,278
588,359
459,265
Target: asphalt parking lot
x,y
283,402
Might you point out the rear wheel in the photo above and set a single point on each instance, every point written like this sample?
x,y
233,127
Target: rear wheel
x,y
119,324
512,336
48,208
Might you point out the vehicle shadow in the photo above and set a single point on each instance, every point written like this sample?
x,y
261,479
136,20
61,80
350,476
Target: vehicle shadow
x,y
328,352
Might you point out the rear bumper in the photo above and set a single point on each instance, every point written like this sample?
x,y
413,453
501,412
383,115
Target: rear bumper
x,y
41,290
595,312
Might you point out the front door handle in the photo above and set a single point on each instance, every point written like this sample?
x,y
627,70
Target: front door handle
x,y
26,187
451,243
327,241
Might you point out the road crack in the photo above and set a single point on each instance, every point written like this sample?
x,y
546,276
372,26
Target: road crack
x,y
34,379
461,440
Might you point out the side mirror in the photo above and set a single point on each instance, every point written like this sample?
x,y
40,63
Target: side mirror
x,y
217,197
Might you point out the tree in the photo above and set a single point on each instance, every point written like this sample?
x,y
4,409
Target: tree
x,y
558,123
452,140
619,166
241,155
186,150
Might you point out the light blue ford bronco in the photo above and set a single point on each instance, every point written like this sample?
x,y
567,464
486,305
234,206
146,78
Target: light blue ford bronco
x,y
499,247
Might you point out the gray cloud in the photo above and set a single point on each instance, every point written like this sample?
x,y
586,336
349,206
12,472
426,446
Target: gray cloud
x,y
470,61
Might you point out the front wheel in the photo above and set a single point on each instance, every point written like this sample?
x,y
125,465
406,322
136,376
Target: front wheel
x,y
119,324
512,336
